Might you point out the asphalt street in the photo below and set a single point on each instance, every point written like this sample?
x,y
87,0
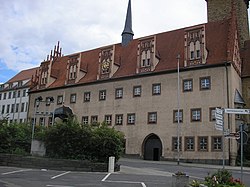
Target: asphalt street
x,y
134,173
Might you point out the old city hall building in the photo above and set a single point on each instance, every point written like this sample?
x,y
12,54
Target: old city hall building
x,y
133,86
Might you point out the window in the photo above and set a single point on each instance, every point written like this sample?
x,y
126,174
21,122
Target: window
x,y
86,97
41,121
212,114
198,53
0,96
4,95
9,97
102,95
85,120
152,117
156,89
175,117
18,93
137,91
14,94
17,107
12,108
189,143
8,109
108,119
72,98
3,109
216,143
196,114
191,55
131,119
59,99
47,101
22,107
24,93
202,144
188,85
118,93
175,143
118,119
50,121
205,83
94,120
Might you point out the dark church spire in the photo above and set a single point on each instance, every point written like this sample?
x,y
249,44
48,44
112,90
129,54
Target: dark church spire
x,y
127,34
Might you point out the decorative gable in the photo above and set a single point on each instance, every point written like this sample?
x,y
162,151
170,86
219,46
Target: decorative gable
x,y
195,49
107,64
146,57
73,68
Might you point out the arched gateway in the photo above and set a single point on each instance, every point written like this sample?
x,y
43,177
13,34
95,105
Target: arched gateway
x,y
152,148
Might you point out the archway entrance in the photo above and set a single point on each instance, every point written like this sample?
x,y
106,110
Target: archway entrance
x,y
152,148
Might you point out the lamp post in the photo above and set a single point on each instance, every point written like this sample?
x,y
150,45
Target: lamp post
x,y
178,109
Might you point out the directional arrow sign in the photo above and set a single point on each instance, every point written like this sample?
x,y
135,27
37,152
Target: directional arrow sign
x,y
236,111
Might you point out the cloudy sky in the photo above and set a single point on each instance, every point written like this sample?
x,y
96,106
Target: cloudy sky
x,y
30,28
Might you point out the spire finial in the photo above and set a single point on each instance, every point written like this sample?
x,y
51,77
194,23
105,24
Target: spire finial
x,y
127,34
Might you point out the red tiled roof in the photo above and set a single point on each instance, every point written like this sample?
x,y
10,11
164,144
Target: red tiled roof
x,y
168,46
24,75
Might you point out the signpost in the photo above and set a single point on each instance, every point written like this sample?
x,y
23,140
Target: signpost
x,y
236,111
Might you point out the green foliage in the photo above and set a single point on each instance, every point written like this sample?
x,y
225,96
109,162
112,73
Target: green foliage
x,y
71,140
15,138
195,183
222,178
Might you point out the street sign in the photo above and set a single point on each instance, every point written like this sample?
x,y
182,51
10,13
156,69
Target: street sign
x,y
245,137
236,111
234,135
219,119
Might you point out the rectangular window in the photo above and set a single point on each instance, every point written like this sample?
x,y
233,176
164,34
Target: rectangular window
x,y
196,114
156,89
0,96
191,55
175,143
108,119
24,93
85,120
102,95
72,98
3,109
12,108
203,146
22,107
118,119
205,83
18,93
9,97
59,99
152,117
41,121
189,143
14,94
94,120
137,91
175,116
17,107
4,95
188,85
118,93
198,54
216,143
8,109
212,114
50,121
86,97
131,119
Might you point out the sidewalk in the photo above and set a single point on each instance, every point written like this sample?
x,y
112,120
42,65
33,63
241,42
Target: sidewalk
x,y
198,165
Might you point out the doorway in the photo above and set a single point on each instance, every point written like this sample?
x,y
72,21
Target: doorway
x,y
152,148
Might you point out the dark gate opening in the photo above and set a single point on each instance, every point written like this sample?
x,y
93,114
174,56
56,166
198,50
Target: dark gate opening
x,y
152,148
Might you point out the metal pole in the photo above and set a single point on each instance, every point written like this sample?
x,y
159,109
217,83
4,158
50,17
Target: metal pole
x,y
223,144
178,109
241,152
34,120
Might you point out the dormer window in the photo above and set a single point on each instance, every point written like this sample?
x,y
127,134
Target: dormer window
x,y
105,62
44,78
72,72
73,68
44,73
195,51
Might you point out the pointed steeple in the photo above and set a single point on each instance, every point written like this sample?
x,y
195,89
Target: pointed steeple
x,y
127,34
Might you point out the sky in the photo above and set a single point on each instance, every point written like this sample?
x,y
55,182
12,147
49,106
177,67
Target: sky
x,y
30,29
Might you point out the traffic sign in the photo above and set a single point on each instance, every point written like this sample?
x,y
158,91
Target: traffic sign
x,y
245,137
236,111
219,119
234,135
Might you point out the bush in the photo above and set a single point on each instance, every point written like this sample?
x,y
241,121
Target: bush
x,y
71,140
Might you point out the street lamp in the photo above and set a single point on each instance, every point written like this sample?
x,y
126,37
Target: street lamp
x,y
178,109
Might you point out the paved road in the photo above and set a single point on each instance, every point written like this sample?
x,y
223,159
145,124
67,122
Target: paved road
x,y
134,173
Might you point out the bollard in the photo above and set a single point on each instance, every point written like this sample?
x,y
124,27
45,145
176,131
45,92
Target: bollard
x,y
111,164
